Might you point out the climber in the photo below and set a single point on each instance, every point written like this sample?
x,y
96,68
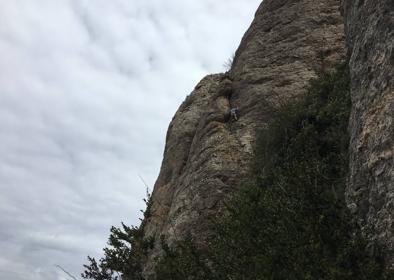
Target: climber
x,y
234,113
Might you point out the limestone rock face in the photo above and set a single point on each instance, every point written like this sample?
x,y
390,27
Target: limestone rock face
x,y
207,152
370,193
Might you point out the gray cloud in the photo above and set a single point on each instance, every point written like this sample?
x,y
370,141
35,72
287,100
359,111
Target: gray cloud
x,y
87,89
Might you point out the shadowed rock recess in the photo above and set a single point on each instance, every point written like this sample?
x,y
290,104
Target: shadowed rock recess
x,y
206,152
370,193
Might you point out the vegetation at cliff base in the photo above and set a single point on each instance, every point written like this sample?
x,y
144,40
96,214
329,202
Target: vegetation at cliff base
x,y
288,220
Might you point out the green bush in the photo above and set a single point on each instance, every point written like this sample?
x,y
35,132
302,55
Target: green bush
x,y
125,254
184,262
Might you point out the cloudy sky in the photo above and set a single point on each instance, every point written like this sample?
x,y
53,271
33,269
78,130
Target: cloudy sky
x,y
87,90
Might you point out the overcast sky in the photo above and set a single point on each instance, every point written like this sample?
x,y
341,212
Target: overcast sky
x,y
87,90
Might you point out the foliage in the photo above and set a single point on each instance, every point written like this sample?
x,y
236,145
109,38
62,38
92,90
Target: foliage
x,y
124,257
184,262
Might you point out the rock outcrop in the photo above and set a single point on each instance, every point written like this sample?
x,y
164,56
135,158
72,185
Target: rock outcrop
x,y
370,193
206,152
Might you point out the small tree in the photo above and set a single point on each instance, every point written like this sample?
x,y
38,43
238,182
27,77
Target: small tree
x,y
125,254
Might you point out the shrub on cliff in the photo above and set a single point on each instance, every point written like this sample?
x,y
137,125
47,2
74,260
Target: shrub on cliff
x,y
125,254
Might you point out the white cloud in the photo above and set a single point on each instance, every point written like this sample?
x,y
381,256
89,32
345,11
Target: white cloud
x,y
87,90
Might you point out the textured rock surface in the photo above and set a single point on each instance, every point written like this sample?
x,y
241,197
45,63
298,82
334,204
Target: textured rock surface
x,y
370,35
207,154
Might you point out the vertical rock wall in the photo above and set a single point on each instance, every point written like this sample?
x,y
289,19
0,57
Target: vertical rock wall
x,y
206,153
370,194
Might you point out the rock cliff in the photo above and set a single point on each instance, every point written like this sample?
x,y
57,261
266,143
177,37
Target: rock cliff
x,y
206,152
370,193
